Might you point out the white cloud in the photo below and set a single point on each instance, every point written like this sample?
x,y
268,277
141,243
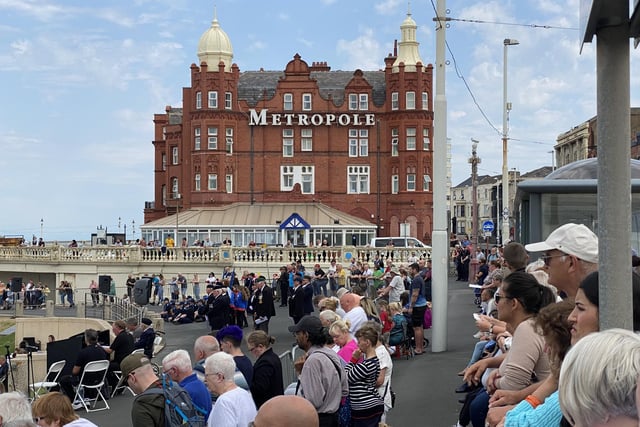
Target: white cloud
x,y
363,52
388,7
20,47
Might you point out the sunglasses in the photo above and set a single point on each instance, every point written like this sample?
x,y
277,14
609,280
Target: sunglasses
x,y
498,297
547,258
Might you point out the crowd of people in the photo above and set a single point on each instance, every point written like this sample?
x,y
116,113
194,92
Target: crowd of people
x,y
540,358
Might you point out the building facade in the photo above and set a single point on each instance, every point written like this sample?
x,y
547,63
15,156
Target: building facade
x,y
357,141
581,142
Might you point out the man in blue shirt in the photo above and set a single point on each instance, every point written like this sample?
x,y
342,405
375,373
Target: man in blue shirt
x,y
177,366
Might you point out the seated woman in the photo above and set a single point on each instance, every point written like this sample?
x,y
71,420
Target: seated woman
x,y
339,330
553,324
518,301
597,384
583,320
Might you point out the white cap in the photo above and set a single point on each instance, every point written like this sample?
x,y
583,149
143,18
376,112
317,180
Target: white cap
x,y
572,239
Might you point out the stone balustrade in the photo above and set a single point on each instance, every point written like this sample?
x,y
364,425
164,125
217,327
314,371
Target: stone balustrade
x,y
223,255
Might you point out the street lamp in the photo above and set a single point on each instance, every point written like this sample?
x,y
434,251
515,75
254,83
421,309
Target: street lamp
x,y
474,160
41,226
506,107
177,197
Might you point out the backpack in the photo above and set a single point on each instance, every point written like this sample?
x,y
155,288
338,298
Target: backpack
x,y
179,409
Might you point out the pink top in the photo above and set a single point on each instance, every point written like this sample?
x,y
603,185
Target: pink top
x,y
347,351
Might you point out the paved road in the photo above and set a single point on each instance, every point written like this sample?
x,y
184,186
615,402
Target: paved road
x,y
424,385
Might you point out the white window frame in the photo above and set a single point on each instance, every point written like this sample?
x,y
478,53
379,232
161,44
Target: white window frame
x,y
411,182
353,142
307,102
212,99
410,98
174,155
212,182
306,139
353,101
229,140
287,178
411,138
358,179
363,101
228,100
287,101
198,100
212,138
196,138
395,136
394,101
175,187
164,161
287,142
426,139
395,184
196,184
426,183
425,100
363,143
307,180
228,183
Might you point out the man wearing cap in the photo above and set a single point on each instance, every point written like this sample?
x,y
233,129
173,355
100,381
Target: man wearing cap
x,y
307,291
570,254
147,408
395,285
322,381
146,338
219,308
296,300
262,302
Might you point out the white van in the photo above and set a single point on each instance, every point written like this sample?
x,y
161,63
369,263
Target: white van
x,y
398,242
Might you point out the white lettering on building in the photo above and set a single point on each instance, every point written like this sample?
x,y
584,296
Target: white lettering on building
x,y
259,118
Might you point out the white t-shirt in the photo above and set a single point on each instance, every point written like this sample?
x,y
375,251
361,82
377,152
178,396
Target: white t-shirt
x,y
356,317
234,408
397,288
385,362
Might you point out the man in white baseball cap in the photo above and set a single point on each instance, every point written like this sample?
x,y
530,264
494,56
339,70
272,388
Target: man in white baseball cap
x,y
570,253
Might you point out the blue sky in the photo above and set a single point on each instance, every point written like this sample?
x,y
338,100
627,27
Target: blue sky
x,y
80,82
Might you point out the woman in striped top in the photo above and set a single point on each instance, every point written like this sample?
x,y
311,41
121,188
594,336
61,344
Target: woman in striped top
x,y
367,406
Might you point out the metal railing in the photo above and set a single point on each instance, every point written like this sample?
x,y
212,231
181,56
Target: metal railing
x,y
110,308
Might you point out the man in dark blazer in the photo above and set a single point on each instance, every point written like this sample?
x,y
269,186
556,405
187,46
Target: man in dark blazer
x,y
219,308
262,302
307,288
296,300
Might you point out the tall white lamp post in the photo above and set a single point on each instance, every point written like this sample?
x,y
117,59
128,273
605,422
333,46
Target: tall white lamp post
x,y
506,107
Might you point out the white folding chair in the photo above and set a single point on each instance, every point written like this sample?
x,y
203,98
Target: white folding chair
x,y
122,385
92,378
50,380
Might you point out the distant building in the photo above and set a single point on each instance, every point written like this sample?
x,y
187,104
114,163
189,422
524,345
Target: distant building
x,y
356,141
489,193
581,142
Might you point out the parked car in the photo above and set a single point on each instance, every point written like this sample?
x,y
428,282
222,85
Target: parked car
x,y
398,242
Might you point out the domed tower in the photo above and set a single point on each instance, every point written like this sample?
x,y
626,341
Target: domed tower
x,y
408,52
215,46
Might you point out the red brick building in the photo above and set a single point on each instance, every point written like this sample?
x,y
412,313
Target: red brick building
x,y
357,141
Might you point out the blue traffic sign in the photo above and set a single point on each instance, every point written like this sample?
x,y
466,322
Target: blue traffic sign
x,y
487,226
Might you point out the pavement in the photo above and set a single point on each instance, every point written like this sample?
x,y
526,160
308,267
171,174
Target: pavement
x,y
424,385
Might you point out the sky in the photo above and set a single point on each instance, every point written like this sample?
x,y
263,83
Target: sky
x,y
80,82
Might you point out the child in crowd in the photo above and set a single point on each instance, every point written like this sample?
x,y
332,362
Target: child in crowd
x,y
396,334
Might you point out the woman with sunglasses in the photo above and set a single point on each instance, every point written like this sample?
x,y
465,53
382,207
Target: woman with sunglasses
x,y
518,301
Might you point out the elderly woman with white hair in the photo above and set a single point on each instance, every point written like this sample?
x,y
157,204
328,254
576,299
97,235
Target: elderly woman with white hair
x,y
597,384
234,406
14,407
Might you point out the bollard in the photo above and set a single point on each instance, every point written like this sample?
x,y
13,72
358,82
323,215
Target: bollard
x,y
19,306
50,306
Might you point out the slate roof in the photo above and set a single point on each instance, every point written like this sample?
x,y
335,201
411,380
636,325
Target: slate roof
x,y
254,85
